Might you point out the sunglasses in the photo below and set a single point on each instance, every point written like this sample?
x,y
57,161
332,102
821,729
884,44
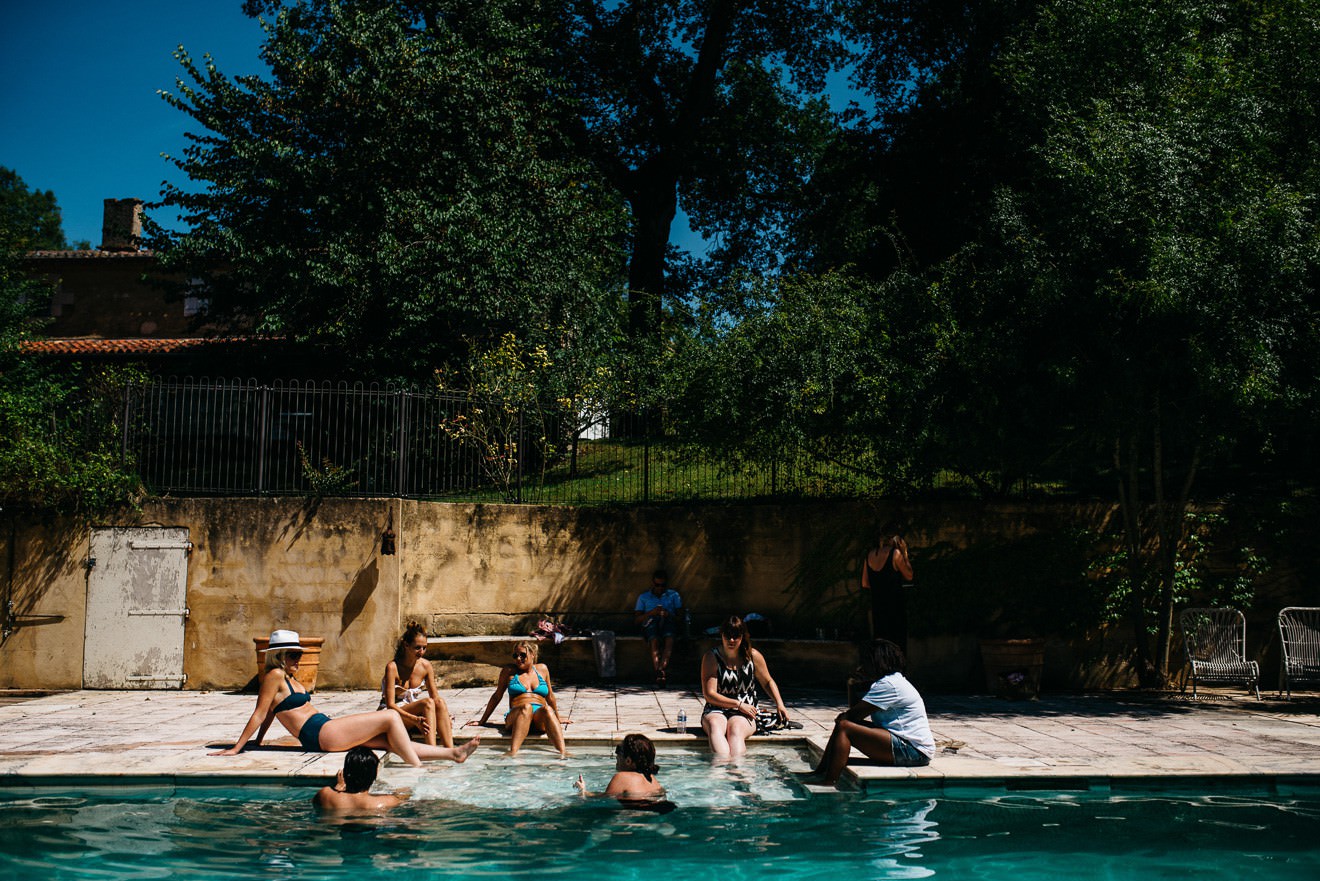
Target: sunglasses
x,y
293,656
520,656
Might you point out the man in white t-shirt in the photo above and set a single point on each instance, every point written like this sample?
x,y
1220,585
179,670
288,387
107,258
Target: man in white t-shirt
x,y
888,724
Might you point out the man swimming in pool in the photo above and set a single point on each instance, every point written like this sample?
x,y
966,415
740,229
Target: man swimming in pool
x,y
350,794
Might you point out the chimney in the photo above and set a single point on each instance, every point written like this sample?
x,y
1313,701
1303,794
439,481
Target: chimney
x,y
121,225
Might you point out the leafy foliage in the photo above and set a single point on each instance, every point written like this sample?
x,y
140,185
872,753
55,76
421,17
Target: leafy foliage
x,y
706,106
60,425
394,187
29,219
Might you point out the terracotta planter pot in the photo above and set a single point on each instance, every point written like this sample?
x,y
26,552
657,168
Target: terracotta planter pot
x,y
1013,666
311,659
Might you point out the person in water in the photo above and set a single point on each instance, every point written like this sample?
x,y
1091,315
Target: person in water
x,y
532,702
283,697
634,783
351,792
408,687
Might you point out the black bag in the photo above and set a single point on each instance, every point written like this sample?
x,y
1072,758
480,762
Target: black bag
x,y
768,721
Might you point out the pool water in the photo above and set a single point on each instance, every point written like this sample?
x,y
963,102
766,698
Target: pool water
x,y
502,817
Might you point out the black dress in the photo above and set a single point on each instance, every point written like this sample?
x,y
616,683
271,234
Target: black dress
x,y
888,602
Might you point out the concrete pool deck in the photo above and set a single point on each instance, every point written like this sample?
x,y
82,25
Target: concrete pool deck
x,y
1098,742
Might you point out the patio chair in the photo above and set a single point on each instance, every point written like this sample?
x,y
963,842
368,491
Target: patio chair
x,y
1299,636
1215,641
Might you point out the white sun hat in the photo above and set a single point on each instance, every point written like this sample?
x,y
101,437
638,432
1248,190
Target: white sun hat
x,y
282,639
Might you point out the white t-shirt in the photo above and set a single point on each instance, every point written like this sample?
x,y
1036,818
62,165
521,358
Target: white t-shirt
x,y
901,711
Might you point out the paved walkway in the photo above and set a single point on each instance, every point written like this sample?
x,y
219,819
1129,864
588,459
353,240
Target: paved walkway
x,y
1060,742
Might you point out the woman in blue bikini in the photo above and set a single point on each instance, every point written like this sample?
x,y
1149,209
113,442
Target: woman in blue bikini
x,y
282,697
532,704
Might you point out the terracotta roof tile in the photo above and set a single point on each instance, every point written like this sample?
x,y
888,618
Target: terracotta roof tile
x,y
86,346
87,255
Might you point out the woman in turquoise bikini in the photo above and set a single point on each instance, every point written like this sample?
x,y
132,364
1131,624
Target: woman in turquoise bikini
x,y
532,704
283,697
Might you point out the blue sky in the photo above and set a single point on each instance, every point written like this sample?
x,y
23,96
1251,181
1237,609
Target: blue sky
x,y
80,112
79,109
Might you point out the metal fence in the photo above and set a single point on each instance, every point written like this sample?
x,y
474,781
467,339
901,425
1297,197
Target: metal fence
x,y
214,437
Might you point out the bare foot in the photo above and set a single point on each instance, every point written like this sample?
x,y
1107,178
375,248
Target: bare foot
x,y
461,753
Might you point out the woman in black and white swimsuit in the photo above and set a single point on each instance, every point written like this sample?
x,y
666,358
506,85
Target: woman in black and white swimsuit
x,y
729,675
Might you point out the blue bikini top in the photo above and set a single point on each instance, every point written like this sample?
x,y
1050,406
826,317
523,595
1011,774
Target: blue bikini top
x,y
516,685
294,700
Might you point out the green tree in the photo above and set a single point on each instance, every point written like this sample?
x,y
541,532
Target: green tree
x,y
394,186
1136,302
29,219
831,365
701,105
58,423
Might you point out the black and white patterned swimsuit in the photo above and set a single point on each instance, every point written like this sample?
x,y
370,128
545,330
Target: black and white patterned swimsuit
x,y
738,683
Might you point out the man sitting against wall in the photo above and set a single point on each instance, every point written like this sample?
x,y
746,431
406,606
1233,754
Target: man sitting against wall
x,y
658,612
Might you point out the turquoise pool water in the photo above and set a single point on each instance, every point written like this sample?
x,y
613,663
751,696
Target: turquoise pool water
x,y
502,818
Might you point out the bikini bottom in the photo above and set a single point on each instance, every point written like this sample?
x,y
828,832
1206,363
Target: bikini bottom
x,y
310,734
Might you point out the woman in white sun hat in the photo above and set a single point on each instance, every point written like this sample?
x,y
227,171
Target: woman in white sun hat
x,y
282,697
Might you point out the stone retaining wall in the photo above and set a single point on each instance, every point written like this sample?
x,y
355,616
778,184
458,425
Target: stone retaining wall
x,y
318,567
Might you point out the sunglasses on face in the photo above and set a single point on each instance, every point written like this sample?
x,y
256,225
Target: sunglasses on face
x,y
520,656
731,637
294,656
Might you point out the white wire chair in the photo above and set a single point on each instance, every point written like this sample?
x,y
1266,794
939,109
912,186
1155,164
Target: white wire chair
x,y
1215,643
1299,638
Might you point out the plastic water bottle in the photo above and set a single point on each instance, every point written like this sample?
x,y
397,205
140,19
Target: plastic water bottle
x,y
682,721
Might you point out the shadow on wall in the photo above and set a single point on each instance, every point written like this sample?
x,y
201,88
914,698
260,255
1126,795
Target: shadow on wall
x,y
614,553
704,551
1030,586
35,563
825,591
364,585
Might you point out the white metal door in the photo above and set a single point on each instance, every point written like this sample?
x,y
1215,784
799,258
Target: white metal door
x,y
136,608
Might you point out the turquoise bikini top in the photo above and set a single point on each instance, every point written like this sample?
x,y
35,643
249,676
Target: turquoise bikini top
x,y
516,685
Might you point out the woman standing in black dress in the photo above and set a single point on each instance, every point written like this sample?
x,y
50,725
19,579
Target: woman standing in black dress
x,y
885,570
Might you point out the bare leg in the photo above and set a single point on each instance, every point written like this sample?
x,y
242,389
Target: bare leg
x,y
664,657
872,740
739,729
442,724
426,709
382,729
549,723
655,655
519,722
716,727
453,753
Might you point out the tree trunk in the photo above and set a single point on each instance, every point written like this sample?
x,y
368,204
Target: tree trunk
x,y
654,202
1171,525
1128,475
652,189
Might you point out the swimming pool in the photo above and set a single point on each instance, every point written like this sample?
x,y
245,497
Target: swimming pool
x,y
505,817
